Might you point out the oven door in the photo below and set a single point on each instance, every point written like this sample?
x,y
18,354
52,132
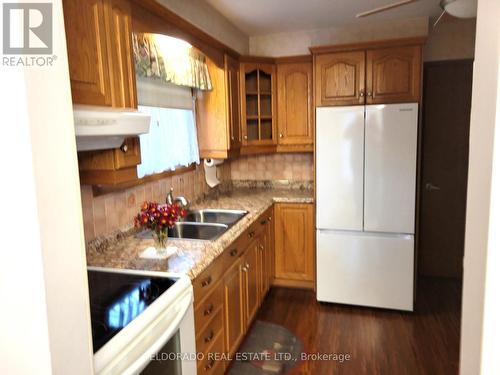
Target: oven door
x,y
178,355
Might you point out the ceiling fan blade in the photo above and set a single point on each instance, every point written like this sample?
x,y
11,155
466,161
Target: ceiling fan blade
x,y
384,8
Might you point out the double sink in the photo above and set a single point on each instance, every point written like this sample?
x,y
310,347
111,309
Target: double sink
x,y
203,224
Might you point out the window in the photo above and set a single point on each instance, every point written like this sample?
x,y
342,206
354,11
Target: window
x,y
172,141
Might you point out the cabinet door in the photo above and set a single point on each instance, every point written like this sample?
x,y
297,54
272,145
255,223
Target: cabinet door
x,y
263,265
258,104
87,45
233,85
393,75
121,67
294,242
212,112
295,115
340,78
252,286
234,317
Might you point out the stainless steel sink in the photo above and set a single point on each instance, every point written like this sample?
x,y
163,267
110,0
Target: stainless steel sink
x,y
193,231
219,216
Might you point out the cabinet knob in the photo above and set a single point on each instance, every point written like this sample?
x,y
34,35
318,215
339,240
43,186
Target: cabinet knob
x,y
232,138
261,247
361,94
369,94
281,135
124,147
245,137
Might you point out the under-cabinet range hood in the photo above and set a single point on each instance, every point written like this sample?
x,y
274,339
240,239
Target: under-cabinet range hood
x,y
100,128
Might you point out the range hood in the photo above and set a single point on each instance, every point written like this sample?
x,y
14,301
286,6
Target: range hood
x,y
100,128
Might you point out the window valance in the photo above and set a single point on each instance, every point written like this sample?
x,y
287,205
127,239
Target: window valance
x,y
170,60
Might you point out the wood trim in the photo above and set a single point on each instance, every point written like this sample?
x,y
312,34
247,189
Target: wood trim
x,y
252,150
368,45
182,25
295,148
299,284
257,59
117,184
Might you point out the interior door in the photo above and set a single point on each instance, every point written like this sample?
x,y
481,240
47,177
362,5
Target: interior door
x,y
445,155
339,167
390,167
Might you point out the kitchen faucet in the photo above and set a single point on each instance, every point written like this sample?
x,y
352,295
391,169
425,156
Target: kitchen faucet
x,y
180,200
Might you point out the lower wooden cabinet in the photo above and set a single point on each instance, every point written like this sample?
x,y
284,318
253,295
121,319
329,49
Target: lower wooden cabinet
x,y
228,294
294,245
234,315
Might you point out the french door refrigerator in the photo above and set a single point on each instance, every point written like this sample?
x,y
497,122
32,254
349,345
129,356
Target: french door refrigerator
x,y
366,158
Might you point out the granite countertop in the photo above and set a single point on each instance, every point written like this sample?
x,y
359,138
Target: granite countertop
x,y
193,256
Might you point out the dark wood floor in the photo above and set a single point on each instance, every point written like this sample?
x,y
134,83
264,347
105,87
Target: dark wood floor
x,y
378,341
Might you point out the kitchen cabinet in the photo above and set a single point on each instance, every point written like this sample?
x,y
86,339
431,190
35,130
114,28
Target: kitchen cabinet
x,y
370,73
294,245
340,78
251,279
393,75
218,114
295,108
110,167
258,106
98,37
234,314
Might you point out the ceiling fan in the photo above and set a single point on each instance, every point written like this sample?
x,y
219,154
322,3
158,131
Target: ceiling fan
x,y
456,8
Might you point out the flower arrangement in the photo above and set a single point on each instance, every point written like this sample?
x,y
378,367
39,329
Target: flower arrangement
x,y
158,218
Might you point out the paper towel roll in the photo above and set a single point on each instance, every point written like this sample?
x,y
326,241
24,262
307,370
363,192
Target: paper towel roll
x,y
210,166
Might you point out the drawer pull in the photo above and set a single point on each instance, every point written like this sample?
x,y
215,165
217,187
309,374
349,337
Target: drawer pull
x,y
261,247
263,222
269,218
233,252
251,234
206,282
210,365
208,310
209,337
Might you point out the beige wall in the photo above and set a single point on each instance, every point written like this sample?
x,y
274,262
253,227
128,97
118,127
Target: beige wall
x,y
202,15
451,39
294,167
481,288
104,214
298,43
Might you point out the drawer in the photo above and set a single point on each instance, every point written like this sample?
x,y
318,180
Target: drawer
x,y
212,362
206,281
206,337
207,308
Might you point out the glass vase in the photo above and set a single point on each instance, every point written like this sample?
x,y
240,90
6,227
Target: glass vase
x,y
160,241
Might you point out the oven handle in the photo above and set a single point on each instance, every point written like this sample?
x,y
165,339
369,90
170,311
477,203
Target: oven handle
x,y
141,362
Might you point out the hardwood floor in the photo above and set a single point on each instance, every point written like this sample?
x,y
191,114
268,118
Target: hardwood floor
x,y
378,341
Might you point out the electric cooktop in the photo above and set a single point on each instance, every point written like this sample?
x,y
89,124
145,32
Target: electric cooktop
x,y
116,299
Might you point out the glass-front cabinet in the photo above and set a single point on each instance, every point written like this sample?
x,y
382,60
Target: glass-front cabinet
x,y
258,109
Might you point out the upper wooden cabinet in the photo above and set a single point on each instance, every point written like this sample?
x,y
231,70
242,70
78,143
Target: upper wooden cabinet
x,y
393,75
295,108
99,43
340,78
258,104
370,73
218,112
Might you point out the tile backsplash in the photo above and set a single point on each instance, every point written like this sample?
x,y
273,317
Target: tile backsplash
x,y
105,214
293,167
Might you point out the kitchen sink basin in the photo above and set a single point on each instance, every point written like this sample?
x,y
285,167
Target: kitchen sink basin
x,y
192,231
219,216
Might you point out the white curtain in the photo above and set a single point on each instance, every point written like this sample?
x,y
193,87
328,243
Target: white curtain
x,y
171,141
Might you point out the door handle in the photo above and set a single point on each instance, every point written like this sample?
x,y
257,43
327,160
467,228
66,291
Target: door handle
x,y
431,187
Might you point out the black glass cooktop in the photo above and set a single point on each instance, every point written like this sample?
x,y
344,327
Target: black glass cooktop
x,y
116,299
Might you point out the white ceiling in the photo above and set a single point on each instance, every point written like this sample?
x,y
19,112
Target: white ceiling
x,y
260,17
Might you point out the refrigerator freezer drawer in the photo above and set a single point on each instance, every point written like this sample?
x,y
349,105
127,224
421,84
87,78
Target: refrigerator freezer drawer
x,y
390,167
339,167
366,269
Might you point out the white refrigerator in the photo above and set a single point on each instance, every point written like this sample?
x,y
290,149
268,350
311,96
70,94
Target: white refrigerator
x,y
366,159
